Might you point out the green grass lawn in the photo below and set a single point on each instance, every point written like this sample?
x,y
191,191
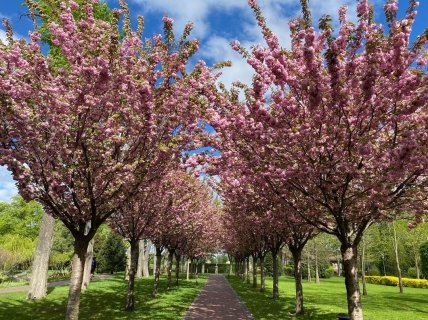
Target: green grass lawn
x,y
105,299
325,300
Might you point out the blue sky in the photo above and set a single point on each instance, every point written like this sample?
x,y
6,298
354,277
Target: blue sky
x,y
217,23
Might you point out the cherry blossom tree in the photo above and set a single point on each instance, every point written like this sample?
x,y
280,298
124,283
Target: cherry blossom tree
x,y
82,138
336,123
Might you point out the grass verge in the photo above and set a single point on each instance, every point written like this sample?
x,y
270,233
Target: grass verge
x,y
105,300
325,300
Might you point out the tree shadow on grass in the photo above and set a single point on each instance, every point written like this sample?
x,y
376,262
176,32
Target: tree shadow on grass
x,y
104,300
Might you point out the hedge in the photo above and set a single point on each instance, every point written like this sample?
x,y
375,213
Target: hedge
x,y
393,281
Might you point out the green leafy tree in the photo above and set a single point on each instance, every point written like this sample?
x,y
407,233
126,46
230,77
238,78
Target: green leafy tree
x,y
112,255
424,259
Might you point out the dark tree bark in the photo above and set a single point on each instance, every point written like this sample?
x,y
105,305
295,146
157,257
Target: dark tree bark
x,y
262,273
39,269
349,257
297,259
130,297
363,269
177,267
78,264
157,271
275,288
254,271
169,269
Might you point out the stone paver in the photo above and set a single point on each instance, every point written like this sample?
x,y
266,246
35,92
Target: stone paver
x,y
218,300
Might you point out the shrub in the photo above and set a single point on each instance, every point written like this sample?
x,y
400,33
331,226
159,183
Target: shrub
x,y
423,251
373,271
393,281
112,255
326,271
289,270
411,272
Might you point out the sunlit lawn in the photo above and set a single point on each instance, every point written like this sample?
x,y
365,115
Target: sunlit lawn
x,y
105,299
325,300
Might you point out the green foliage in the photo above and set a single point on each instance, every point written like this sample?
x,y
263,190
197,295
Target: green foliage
x,y
289,270
62,247
423,251
112,255
19,227
411,272
326,271
373,271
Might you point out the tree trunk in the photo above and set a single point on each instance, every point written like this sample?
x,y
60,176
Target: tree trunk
x,y
88,265
317,273
275,289
297,259
397,260
39,269
262,274
383,263
154,265
141,247
248,270
363,268
146,259
309,269
157,271
203,268
177,268
339,266
418,275
128,263
78,264
349,257
254,272
188,269
130,297
169,269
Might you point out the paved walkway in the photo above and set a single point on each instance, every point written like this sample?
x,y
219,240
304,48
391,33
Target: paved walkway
x,y
218,300
50,284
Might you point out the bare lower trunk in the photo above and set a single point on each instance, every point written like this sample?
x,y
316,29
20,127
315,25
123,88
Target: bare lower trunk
x,y
297,258
275,275
418,275
130,297
397,260
309,269
157,271
203,268
141,247
146,259
169,269
247,270
188,270
363,269
88,265
78,264
177,268
254,272
128,263
349,257
262,274
39,269
154,265
317,272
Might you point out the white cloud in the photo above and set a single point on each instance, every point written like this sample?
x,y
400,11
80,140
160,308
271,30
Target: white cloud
x,y
7,185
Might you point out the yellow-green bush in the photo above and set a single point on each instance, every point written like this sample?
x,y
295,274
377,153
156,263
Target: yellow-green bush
x,y
393,281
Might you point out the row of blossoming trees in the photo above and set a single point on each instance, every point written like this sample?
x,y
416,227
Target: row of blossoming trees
x,y
331,136
98,138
